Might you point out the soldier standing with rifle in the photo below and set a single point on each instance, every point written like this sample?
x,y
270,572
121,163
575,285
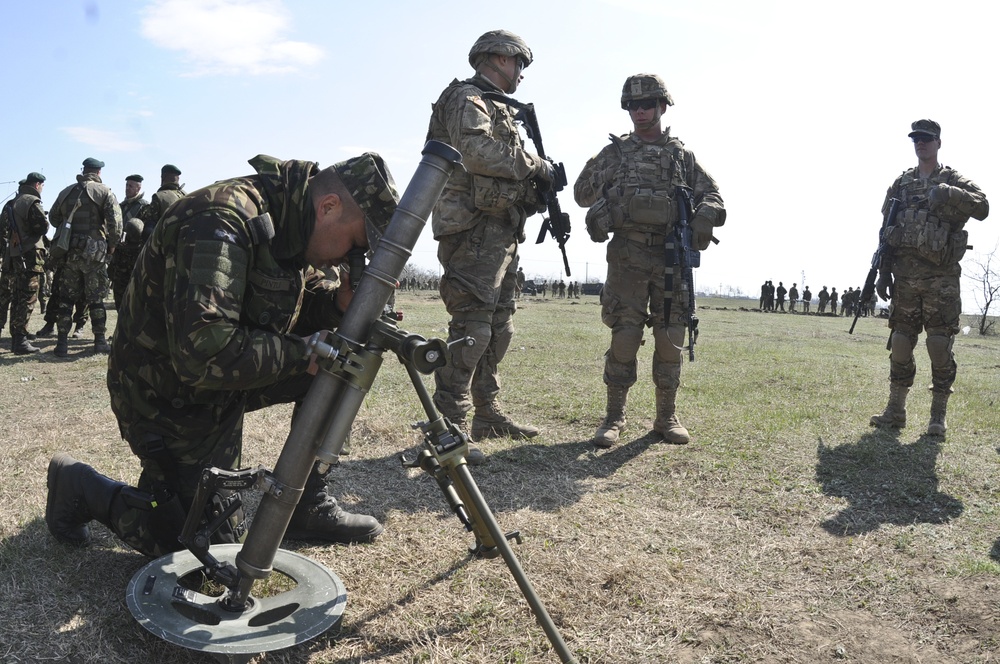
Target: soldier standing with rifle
x,y
920,273
478,222
634,189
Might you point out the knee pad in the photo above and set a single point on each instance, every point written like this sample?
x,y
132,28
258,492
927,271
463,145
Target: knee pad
x,y
625,342
939,349
902,347
668,344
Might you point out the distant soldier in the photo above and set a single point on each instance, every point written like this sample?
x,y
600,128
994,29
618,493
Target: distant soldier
x,y
824,297
95,219
123,260
793,297
780,293
806,299
24,258
847,302
763,294
170,191
519,282
833,301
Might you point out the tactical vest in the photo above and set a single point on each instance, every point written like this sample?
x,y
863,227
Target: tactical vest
x,y
88,222
937,237
642,194
168,197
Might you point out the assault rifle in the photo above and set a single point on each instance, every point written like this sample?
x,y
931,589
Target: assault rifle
x,y
881,252
557,223
682,258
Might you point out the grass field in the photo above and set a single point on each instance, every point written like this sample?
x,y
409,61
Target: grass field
x,y
787,531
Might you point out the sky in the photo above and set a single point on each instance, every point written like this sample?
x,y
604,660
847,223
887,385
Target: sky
x,y
800,111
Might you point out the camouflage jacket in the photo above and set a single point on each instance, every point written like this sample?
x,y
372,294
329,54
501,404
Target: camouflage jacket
x,y
132,207
99,216
25,223
928,241
633,183
496,180
151,214
220,299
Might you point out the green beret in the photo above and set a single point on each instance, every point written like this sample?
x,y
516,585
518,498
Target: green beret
x,y
372,188
134,178
170,169
90,162
34,177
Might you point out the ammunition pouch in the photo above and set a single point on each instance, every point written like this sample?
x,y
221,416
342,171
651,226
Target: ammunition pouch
x,y
929,236
494,195
599,220
652,208
94,250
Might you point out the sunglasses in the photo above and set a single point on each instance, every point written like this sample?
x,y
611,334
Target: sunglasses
x,y
644,104
923,138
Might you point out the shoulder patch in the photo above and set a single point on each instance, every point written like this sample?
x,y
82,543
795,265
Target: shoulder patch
x,y
478,102
261,228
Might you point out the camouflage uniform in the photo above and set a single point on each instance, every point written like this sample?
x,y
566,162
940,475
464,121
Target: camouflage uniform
x,y
123,260
24,260
151,214
630,188
478,223
212,328
926,244
83,273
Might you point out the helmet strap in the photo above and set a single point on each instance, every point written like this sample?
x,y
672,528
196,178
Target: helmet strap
x,y
509,88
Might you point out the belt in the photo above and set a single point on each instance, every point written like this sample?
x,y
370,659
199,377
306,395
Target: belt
x,y
648,239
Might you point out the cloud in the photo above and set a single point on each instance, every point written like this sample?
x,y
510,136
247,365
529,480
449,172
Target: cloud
x,y
228,36
108,141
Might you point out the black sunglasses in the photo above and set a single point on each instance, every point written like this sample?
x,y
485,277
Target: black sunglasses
x,y
923,138
644,104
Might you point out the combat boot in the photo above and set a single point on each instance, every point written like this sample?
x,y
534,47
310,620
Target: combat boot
x,y
47,330
62,346
894,415
78,494
667,424
20,345
318,517
939,408
491,422
78,332
614,421
101,344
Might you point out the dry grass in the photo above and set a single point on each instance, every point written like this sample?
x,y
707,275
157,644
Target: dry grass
x,y
788,531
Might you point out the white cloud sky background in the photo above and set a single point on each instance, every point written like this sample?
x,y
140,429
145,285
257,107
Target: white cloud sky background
x,y
799,110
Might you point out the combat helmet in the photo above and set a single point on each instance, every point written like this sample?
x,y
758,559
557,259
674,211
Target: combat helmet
x,y
499,42
644,86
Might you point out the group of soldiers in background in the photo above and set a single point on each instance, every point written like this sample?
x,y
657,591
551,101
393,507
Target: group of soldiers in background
x,y
92,252
773,299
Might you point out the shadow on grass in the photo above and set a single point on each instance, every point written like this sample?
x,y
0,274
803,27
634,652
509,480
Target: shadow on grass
x,y
885,482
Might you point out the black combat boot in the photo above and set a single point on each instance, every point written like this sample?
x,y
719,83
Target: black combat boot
x,y
62,346
319,517
78,494
101,344
46,331
21,346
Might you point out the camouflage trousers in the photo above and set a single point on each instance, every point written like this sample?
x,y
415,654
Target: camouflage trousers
x,y
6,293
81,279
25,294
632,299
480,275
924,303
172,464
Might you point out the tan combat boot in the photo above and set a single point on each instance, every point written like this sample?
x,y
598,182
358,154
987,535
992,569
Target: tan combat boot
x,y
667,424
894,414
939,407
614,422
491,422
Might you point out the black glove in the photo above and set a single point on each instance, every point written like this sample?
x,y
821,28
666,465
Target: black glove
x,y
884,285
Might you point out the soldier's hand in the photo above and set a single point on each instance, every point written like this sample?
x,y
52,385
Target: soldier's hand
x,y
884,286
939,196
701,233
546,171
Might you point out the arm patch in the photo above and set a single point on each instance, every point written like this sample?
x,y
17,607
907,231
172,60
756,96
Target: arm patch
x,y
220,265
